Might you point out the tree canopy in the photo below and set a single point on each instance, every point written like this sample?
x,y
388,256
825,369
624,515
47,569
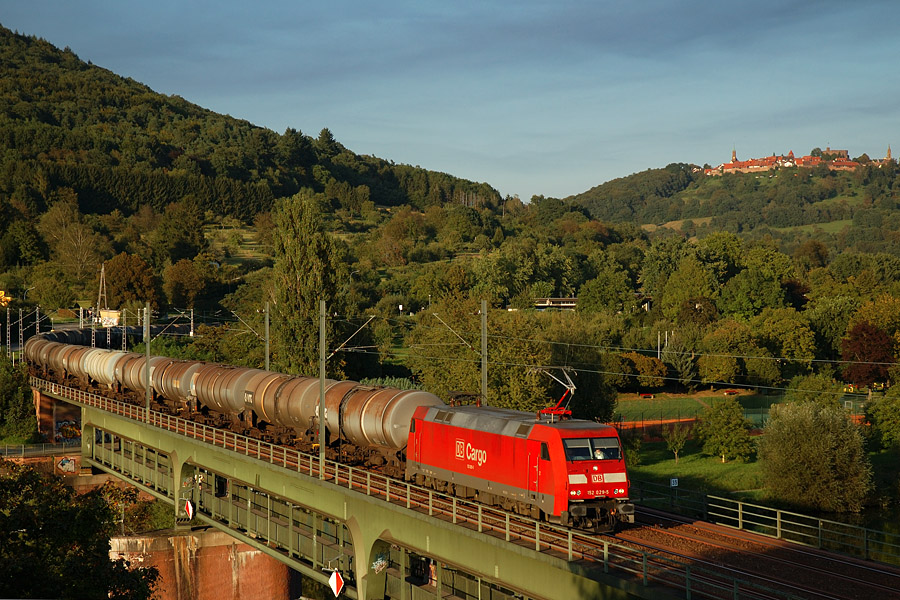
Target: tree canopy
x,y
813,457
54,543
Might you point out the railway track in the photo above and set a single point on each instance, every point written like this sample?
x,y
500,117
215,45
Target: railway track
x,y
795,569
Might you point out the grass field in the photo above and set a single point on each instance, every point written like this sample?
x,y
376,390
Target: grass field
x,y
697,472
831,227
237,243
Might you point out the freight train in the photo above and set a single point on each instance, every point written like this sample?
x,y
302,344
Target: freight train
x,y
566,471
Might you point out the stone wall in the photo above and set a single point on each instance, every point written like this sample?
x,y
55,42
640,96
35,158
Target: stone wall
x,y
207,565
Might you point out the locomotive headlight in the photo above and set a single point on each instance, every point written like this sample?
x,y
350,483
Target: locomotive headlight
x,y
578,493
595,467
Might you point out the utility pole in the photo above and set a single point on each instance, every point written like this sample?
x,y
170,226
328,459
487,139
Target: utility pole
x,y
321,389
267,336
484,372
147,359
101,295
21,336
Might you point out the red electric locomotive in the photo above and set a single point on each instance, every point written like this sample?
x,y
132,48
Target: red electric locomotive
x,y
570,472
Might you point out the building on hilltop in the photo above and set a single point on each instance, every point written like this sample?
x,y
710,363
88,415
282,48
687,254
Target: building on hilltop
x,y
837,154
835,160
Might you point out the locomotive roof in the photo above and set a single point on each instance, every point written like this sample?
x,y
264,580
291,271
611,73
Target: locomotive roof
x,y
501,421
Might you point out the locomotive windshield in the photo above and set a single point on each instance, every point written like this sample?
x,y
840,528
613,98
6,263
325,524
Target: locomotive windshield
x,y
592,449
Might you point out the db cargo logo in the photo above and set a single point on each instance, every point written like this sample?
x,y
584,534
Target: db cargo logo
x,y
597,478
460,449
466,451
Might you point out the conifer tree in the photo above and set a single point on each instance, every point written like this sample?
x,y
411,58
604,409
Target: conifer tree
x,y
308,268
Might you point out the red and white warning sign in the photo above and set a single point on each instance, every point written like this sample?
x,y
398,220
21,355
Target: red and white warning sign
x,y
189,509
336,582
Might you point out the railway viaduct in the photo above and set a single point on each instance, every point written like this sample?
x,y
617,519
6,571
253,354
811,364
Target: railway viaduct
x,y
386,538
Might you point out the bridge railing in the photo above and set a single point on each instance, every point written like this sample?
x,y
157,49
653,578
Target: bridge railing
x,y
26,450
649,568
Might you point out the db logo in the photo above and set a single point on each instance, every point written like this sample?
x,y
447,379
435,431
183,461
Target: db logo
x,y
460,449
597,478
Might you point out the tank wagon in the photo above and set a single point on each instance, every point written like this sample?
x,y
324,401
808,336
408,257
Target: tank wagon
x,y
570,471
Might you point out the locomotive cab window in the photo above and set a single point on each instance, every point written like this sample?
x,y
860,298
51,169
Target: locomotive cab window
x,y
545,451
592,449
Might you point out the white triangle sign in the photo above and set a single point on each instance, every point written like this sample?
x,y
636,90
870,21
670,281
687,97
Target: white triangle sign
x,y
336,582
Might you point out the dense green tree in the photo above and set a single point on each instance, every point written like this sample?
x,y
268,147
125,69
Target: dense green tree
x,y
130,283
54,543
182,283
719,368
17,420
882,312
817,387
650,371
309,268
766,258
73,244
690,280
725,432
884,414
179,233
608,291
53,287
722,254
22,245
681,358
813,458
786,334
829,317
660,261
811,254
748,293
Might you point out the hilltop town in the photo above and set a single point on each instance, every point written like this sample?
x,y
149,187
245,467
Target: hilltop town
x,y
834,160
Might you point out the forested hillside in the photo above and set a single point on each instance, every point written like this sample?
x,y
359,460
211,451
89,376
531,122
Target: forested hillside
x,y
119,145
855,211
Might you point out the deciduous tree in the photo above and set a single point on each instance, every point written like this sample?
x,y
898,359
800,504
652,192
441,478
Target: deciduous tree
x,y
130,282
182,283
868,354
813,458
54,543
17,419
725,432
676,435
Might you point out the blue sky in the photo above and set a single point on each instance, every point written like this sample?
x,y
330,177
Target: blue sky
x,y
532,97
